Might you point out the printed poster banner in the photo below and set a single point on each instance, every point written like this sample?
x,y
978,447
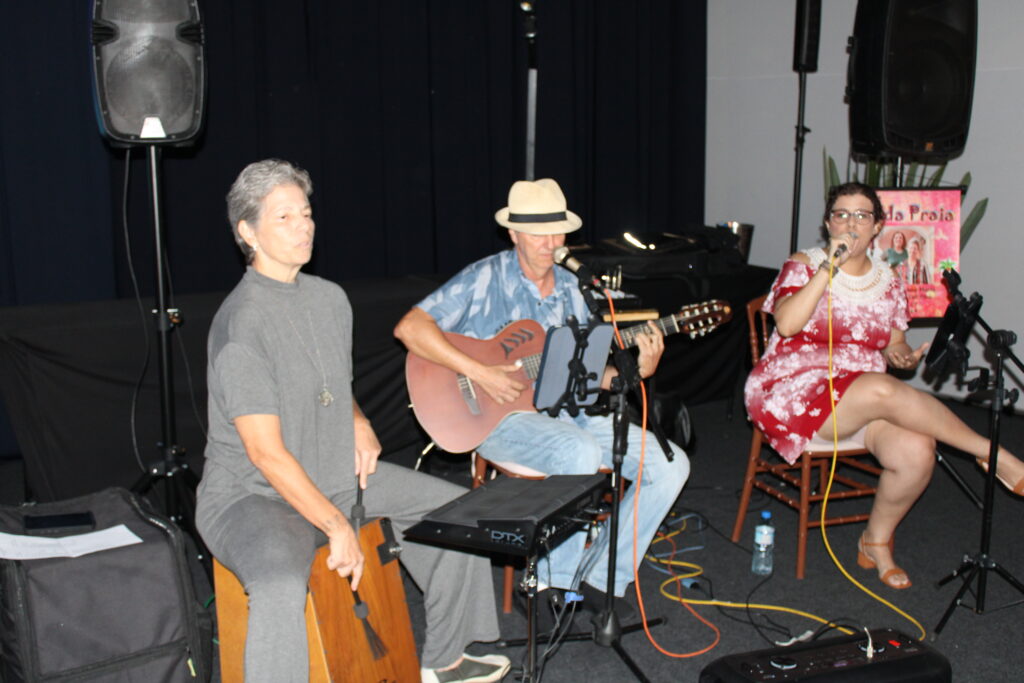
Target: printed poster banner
x,y
920,239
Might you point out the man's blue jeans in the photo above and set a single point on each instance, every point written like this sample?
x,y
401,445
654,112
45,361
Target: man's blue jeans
x,y
580,445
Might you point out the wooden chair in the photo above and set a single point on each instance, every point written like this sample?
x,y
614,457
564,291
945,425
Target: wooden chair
x,y
801,485
338,649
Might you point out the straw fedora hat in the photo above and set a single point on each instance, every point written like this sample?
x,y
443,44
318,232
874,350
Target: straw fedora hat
x,y
537,207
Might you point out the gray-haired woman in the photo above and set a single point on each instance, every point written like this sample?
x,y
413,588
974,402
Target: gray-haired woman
x,y
288,446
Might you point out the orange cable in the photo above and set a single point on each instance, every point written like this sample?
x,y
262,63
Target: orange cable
x,y
636,521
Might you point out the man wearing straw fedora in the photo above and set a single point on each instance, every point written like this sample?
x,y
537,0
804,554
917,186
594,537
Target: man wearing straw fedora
x,y
523,283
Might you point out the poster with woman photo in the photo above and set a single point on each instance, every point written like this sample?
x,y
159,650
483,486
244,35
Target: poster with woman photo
x,y
921,237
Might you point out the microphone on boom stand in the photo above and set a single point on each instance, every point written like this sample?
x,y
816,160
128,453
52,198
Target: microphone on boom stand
x,y
565,259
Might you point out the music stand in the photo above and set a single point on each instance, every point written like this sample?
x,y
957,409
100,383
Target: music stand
x,y
947,354
572,366
949,351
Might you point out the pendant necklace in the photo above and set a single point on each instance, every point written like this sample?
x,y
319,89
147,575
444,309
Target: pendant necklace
x,y
325,397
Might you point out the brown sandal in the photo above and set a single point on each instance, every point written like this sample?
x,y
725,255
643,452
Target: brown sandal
x,y
866,562
1016,489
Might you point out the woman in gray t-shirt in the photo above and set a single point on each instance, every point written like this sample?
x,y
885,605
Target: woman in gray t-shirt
x,y
288,446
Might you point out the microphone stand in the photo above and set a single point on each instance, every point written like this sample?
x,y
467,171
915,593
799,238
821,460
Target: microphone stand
x,y
978,565
530,33
608,630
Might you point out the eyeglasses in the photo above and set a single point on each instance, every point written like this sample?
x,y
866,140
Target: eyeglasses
x,y
843,216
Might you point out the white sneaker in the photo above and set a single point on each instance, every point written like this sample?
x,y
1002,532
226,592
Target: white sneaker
x,y
471,669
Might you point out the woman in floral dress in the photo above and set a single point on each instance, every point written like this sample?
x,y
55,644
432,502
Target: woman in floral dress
x,y
787,393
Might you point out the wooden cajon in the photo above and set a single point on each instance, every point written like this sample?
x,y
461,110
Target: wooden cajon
x,y
338,648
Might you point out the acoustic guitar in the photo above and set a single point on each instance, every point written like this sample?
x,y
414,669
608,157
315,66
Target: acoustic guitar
x,y
458,416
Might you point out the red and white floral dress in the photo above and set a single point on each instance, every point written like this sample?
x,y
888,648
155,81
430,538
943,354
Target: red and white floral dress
x,y
787,393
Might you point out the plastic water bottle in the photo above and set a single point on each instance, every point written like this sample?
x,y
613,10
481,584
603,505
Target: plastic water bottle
x,y
764,545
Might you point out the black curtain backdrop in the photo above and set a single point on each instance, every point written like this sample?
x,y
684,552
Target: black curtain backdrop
x,y
409,114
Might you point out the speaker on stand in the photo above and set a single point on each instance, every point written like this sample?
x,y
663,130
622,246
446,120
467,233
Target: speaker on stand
x,y
805,60
910,78
149,80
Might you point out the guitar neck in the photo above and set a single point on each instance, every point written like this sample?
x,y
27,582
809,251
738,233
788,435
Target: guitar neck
x,y
668,325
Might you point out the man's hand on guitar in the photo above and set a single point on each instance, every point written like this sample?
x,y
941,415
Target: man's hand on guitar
x,y
497,382
459,414
651,345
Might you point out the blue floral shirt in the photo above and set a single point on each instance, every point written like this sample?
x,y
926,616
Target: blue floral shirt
x,y
487,295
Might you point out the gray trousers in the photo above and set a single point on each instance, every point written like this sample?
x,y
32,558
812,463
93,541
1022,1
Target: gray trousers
x,y
270,548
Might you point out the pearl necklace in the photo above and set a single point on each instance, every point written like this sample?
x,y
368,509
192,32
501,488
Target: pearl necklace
x,y
859,289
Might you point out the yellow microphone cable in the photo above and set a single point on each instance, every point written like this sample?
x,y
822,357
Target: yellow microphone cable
x,y
832,471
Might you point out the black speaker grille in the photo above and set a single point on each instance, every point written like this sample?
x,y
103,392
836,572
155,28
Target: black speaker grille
x,y
929,89
148,59
149,78
911,77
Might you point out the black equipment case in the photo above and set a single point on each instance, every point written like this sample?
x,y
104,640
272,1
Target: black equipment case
x,y
124,614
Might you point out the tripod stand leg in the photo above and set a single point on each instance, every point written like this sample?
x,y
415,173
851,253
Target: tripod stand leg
x,y
959,594
957,478
179,503
624,656
639,626
1008,577
966,564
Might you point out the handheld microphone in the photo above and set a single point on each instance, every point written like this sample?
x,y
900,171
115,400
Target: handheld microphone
x,y
842,248
566,260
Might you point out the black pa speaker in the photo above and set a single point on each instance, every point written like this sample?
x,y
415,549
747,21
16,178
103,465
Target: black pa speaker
x,y
910,78
149,74
808,32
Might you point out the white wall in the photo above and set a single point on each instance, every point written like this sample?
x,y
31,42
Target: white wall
x,y
752,100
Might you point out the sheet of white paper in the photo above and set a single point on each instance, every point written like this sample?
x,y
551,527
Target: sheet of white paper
x,y
18,547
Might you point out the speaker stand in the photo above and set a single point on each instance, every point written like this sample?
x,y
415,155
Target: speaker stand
x,y
178,482
801,135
